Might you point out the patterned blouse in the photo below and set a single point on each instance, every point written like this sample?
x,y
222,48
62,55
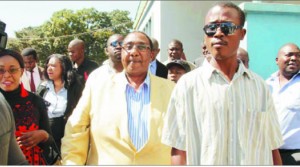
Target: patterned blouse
x,y
30,113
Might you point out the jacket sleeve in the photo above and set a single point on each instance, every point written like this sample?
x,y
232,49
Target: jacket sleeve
x,y
75,142
15,155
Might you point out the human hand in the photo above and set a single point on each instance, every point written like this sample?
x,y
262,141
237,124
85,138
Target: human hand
x,y
32,138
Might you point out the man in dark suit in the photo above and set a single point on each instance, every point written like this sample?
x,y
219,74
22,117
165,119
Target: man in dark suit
x,y
156,67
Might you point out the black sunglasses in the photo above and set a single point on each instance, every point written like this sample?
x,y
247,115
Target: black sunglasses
x,y
227,28
115,43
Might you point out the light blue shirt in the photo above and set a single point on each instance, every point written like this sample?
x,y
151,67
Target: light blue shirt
x,y
153,67
58,101
138,109
287,103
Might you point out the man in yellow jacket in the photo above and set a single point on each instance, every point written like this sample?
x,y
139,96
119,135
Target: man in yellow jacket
x,y
119,118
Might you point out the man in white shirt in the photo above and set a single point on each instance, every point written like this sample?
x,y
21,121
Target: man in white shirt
x,y
285,88
222,113
175,52
113,64
33,74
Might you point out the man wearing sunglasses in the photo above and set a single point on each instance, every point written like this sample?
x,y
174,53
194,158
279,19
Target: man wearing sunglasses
x,y
285,86
113,64
222,113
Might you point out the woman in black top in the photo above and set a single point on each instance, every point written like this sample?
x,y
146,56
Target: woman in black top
x,y
30,112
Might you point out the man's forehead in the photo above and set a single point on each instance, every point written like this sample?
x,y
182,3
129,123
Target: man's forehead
x,y
218,13
115,38
174,45
290,48
28,57
136,38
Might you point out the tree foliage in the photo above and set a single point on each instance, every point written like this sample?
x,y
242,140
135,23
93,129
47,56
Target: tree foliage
x,y
92,26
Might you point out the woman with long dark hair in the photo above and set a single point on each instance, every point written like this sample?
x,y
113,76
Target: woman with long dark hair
x,y
62,90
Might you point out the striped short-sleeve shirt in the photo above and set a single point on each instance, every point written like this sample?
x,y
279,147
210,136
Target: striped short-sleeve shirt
x,y
218,122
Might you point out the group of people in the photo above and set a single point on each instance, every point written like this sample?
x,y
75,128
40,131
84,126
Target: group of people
x,y
42,99
135,110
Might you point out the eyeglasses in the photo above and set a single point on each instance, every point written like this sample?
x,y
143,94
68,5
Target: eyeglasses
x,y
139,47
115,44
290,54
10,71
227,28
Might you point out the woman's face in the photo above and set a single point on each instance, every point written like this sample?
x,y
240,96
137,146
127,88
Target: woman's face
x,y
54,69
10,73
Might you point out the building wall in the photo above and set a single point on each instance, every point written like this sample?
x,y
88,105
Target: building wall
x,y
269,25
182,20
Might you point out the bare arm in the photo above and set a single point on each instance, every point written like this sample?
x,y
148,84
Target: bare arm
x,y
276,157
178,157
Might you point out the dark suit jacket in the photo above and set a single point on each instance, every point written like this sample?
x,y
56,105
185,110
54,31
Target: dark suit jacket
x,y
161,70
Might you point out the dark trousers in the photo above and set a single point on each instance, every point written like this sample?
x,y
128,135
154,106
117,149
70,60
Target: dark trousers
x,y
290,157
57,126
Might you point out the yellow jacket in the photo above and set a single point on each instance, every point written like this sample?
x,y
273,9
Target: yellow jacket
x,y
97,131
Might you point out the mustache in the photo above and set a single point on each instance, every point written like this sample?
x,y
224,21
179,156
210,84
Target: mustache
x,y
219,42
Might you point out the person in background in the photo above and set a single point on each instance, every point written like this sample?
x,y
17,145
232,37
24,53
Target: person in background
x,y
156,67
285,88
113,51
175,52
83,65
205,55
62,90
118,121
242,54
222,113
33,133
176,69
10,152
33,74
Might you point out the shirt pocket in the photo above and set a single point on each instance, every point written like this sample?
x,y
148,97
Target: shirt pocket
x,y
294,104
251,129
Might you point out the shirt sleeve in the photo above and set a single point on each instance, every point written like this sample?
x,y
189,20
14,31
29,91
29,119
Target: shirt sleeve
x,y
272,124
174,134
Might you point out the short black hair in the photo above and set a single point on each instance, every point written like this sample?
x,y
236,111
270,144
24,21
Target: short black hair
x,y
13,54
237,8
29,52
176,41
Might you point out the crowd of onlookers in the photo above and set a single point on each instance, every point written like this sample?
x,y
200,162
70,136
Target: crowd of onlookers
x,y
135,110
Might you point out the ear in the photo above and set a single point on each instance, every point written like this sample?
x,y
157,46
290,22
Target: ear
x,y
276,59
151,55
158,50
243,33
106,51
22,71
